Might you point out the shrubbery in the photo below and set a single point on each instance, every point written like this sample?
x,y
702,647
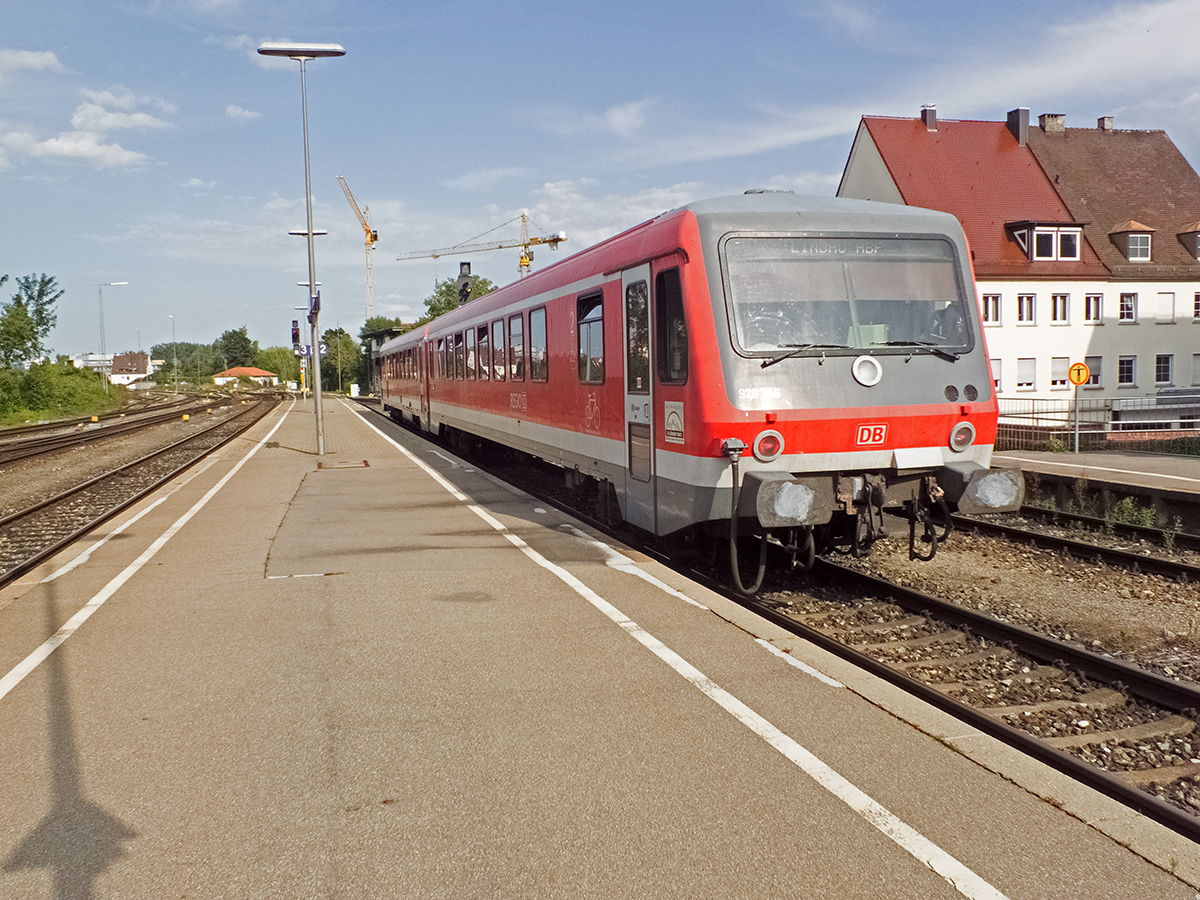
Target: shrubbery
x,y
54,390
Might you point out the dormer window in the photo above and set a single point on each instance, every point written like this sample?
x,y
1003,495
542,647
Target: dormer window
x,y
1133,240
1189,236
1047,243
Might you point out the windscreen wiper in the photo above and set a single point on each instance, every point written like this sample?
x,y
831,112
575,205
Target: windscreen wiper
x,y
923,345
797,349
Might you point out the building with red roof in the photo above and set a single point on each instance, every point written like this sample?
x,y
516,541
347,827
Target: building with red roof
x,y
259,376
1085,244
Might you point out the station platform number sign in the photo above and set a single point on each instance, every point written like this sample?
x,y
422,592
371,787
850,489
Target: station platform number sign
x,y
1078,374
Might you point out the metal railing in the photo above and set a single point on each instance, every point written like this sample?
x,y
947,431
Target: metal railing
x,y
1167,423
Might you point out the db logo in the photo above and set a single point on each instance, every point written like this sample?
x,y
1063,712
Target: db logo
x,y
871,435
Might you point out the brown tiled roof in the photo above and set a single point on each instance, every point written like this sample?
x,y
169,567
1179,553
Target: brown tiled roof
x,y
1112,179
978,172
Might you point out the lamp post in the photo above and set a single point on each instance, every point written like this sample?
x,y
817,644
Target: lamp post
x,y
100,288
302,53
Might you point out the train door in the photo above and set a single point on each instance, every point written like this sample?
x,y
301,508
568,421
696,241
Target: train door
x,y
425,353
640,500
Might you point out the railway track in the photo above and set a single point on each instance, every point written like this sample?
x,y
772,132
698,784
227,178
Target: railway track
x,y
26,445
1141,561
1131,734
1180,540
37,532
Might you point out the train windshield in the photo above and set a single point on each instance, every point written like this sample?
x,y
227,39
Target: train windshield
x,y
819,295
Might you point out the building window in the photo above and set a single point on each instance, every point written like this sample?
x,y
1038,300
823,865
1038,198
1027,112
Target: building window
x,y
1196,370
1058,371
1051,243
1093,364
591,339
991,308
1128,308
1163,366
1025,308
1060,305
1165,310
996,372
1127,371
1026,374
1139,248
1093,305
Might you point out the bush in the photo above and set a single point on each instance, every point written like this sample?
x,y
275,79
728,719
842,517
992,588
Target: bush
x,y
53,391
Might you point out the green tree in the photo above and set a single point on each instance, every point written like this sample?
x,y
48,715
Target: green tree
x,y
18,334
40,294
282,361
380,323
236,348
339,365
445,295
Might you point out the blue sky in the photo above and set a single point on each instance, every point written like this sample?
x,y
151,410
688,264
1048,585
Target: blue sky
x,y
146,141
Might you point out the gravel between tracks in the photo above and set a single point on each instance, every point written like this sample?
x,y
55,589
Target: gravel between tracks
x,y
1138,617
29,480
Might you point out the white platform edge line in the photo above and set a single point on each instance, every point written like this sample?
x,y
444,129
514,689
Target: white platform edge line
x,y
52,643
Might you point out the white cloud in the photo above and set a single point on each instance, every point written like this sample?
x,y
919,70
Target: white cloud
x,y
34,60
197,184
234,111
100,112
85,146
95,118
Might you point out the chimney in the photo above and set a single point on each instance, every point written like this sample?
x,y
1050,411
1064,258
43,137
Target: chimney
x,y
929,116
1018,124
1105,123
1053,123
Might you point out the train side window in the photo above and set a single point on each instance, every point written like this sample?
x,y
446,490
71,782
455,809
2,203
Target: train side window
x,y
637,338
498,366
516,349
485,354
441,359
590,310
459,357
539,355
470,336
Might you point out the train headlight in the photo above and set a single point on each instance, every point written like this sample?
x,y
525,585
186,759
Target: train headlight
x,y
768,445
962,436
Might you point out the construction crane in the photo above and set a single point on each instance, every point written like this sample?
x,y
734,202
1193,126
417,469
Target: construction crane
x,y
524,243
372,238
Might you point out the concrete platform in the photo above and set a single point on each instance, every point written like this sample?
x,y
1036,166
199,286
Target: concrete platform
x,y
383,674
1159,472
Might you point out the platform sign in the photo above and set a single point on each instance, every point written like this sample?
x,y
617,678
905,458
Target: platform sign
x,y
1078,375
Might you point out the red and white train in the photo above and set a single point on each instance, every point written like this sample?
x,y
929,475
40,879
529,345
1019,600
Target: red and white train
x,y
813,361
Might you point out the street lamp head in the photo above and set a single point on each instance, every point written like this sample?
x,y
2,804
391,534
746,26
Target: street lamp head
x,y
302,51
